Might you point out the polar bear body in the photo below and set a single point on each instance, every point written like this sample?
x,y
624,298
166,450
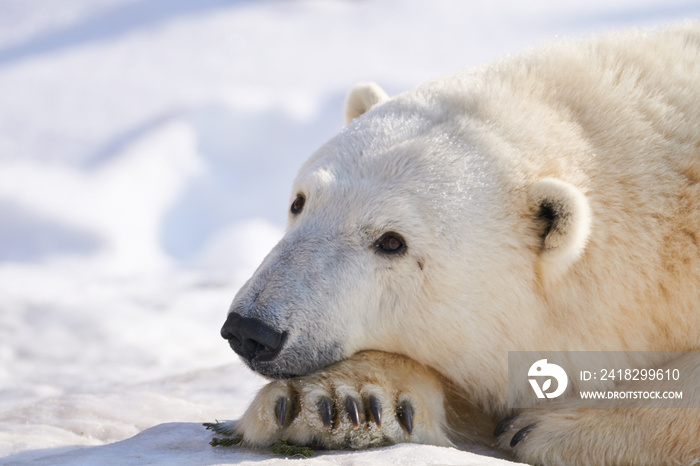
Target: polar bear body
x,y
549,201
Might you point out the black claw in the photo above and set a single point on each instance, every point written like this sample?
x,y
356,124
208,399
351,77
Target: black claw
x,y
521,434
351,407
504,425
281,410
324,409
376,409
405,415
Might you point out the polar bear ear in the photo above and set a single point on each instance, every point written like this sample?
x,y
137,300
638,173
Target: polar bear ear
x,y
563,221
362,97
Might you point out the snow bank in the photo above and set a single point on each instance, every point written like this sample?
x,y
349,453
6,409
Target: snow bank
x,y
146,152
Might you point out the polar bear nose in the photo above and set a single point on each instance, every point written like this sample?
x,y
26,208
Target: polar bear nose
x,y
251,338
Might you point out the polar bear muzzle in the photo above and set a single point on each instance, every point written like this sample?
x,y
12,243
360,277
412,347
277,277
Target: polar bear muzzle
x,y
252,339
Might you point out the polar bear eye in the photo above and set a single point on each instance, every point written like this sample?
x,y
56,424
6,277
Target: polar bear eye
x,y
298,204
390,243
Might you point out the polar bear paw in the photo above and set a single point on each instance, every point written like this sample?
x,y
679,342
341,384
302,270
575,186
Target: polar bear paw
x,y
540,436
597,436
371,399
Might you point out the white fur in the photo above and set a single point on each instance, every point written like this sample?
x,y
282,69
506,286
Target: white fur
x,y
605,130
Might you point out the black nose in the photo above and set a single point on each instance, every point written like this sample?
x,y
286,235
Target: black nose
x,y
251,338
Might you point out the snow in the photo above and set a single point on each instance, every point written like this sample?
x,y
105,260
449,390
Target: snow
x,y
146,152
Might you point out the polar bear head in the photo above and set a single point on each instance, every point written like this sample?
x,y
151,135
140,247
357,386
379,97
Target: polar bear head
x,y
414,231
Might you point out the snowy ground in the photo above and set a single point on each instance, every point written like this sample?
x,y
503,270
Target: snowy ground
x,y
146,150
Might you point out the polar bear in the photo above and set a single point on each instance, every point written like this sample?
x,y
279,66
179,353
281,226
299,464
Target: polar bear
x,y
548,201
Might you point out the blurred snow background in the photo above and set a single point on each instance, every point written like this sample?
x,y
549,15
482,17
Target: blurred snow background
x,y
146,152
